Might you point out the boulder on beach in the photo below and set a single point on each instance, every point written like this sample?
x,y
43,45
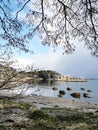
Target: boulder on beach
x,y
62,92
55,88
76,95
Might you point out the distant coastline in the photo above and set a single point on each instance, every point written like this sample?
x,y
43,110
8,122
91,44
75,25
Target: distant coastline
x,y
52,75
92,78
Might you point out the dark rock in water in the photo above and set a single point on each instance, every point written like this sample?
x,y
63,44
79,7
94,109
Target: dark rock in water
x,y
89,90
60,95
69,88
55,88
82,88
86,95
62,92
76,95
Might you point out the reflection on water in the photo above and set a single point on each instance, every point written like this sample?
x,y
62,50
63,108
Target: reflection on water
x,y
45,89
46,83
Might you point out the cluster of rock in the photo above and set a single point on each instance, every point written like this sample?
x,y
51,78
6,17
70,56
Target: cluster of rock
x,y
75,94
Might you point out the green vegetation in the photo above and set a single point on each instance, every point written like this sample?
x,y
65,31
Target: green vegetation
x,y
57,120
18,115
8,103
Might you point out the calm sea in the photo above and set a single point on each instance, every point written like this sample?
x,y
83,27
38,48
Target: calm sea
x,y
45,89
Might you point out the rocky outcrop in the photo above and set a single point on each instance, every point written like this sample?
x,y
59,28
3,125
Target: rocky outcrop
x,y
52,75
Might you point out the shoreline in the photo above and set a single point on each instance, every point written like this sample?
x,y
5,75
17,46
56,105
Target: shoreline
x,y
47,102
51,102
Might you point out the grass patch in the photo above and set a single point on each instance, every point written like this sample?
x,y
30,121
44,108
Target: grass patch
x,y
2,127
8,103
69,119
49,118
37,115
41,126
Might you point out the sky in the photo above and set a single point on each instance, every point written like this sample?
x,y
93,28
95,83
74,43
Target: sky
x,y
78,64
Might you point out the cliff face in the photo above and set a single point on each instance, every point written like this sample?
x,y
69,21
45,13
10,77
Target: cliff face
x,y
52,75
48,75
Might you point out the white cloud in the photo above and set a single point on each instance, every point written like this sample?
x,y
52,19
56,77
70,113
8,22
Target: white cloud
x,y
22,62
81,63
47,60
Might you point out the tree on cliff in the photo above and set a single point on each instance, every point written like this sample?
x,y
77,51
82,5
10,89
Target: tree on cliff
x,y
10,76
56,22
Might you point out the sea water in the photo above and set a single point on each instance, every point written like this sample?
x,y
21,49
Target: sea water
x,y
45,89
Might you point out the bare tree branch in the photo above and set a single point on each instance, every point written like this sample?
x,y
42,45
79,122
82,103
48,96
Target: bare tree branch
x,y
22,8
55,22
